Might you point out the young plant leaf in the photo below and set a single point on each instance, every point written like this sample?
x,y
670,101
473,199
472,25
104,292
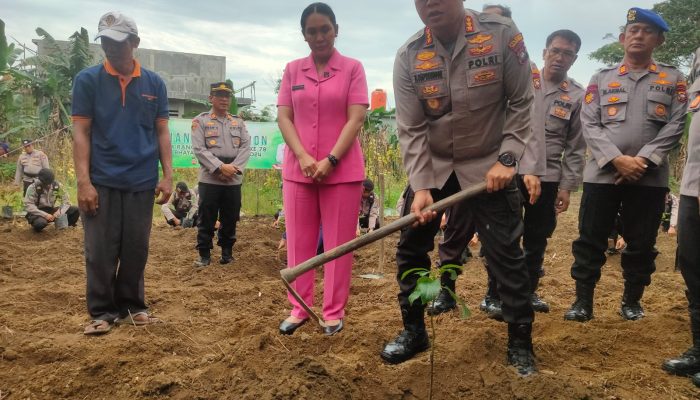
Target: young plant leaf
x,y
428,288
464,311
417,271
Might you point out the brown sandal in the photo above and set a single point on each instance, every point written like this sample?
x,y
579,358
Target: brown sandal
x,y
97,327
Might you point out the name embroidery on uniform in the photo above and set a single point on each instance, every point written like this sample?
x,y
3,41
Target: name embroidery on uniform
x,y
480,39
427,76
484,62
481,50
615,90
426,55
297,87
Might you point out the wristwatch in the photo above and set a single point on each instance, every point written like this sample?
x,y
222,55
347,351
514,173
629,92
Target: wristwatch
x,y
507,159
333,160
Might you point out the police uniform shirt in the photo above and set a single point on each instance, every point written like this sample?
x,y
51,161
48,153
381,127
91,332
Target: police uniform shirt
x,y
690,185
634,114
215,139
559,118
457,111
534,159
45,196
29,165
369,207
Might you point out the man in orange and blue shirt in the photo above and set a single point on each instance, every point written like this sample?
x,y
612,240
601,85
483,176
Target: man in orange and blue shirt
x,y
120,122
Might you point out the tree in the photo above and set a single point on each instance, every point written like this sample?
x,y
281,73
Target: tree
x,y
683,18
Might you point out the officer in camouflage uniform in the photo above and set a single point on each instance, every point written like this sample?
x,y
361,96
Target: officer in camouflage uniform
x,y
29,164
45,201
221,143
181,209
633,115
463,98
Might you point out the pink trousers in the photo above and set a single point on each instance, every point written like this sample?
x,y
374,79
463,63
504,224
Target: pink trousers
x,y
307,207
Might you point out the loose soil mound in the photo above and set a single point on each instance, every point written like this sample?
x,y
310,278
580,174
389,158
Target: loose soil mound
x,y
220,338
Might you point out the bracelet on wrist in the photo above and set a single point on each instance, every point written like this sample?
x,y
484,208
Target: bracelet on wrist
x,y
332,159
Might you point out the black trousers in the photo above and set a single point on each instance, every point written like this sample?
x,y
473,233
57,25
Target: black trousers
x,y
642,207
222,202
181,215
540,220
688,255
496,217
116,252
458,232
39,223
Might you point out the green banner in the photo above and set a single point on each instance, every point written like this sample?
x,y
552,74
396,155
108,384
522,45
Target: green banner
x,y
266,144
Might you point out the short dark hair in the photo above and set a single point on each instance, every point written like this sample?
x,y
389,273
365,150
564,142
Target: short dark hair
x,y
505,10
319,8
565,34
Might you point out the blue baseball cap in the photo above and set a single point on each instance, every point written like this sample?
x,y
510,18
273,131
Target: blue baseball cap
x,y
636,14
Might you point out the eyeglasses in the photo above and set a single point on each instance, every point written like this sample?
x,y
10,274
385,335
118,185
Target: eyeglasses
x,y
559,52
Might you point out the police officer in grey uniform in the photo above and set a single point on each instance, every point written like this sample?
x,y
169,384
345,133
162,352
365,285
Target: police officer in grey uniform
x,y
29,164
181,208
463,95
221,143
633,115
688,255
46,200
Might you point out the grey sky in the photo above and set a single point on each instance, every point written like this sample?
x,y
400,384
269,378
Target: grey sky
x,y
259,37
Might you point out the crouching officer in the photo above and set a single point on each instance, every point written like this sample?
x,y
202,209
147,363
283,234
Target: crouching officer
x,y
221,143
369,207
463,98
181,209
41,201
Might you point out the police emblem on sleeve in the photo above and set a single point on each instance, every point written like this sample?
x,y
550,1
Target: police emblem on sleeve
x,y
517,46
591,93
682,91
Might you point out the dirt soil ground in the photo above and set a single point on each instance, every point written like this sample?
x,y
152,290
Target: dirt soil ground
x,y
220,340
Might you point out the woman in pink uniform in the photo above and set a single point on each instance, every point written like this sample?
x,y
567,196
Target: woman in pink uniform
x,y
321,107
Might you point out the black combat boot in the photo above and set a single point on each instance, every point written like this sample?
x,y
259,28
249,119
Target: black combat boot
x,y
204,259
444,301
696,379
520,353
631,309
226,255
411,341
687,363
537,303
582,309
491,304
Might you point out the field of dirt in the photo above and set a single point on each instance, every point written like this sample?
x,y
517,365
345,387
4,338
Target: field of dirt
x,y
220,340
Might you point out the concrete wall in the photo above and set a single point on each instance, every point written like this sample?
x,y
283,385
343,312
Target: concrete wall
x,y
186,75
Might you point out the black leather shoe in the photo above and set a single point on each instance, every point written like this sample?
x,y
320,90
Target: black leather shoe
x,y
333,329
405,346
580,311
202,262
538,304
442,304
632,311
492,307
522,359
686,364
287,328
696,380
226,256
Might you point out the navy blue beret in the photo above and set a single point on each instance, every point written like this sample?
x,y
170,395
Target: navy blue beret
x,y
636,14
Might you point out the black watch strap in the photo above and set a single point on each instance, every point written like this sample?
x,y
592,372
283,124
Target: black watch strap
x,y
333,160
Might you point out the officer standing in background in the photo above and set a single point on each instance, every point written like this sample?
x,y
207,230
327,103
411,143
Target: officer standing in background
x,y
554,164
46,200
29,164
633,115
688,255
463,95
221,143
181,209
